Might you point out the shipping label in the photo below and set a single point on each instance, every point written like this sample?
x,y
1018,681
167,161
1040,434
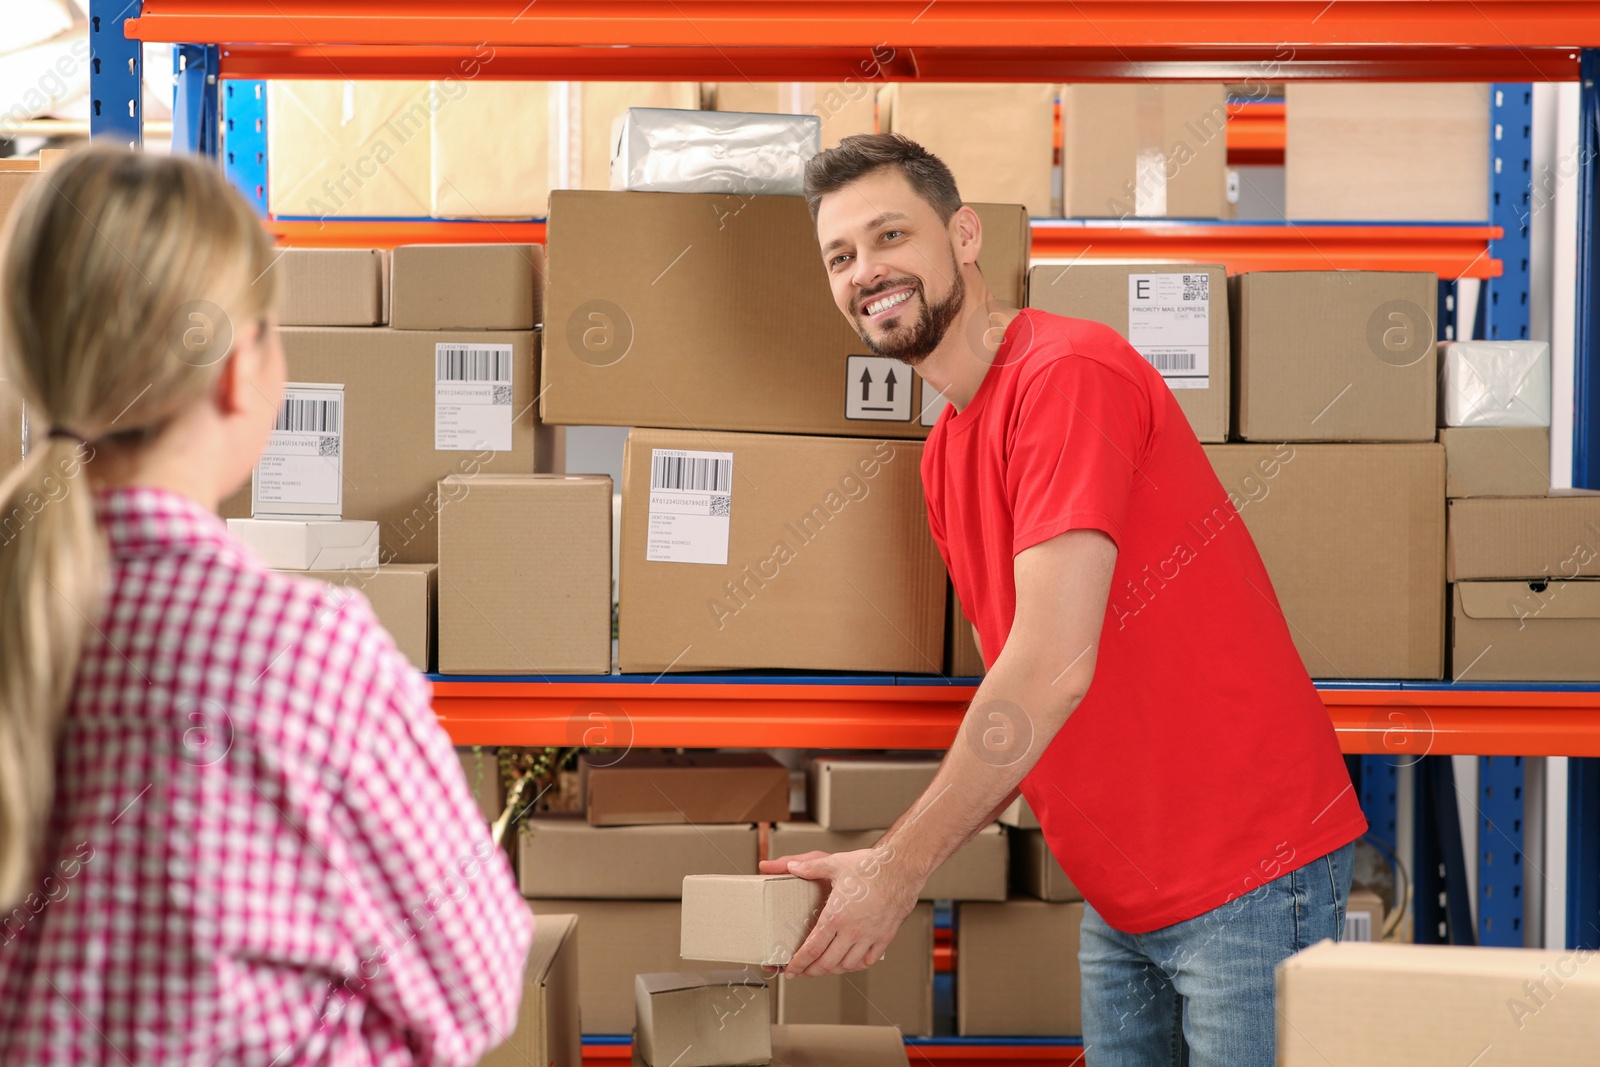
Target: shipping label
x,y
691,506
1169,322
472,398
301,472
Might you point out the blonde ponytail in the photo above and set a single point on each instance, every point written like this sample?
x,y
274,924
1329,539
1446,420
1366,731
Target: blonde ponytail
x,y
108,260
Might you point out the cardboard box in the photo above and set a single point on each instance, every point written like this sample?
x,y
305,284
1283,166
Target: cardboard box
x,y
646,788
837,1046
591,108
1496,460
1035,869
1363,916
1555,536
480,766
752,919
855,791
1146,151
895,991
548,1019
1525,631
561,855
402,597
647,318
1175,314
997,139
962,659
1017,969
846,108
1494,383
1398,152
349,149
702,1019
1019,815
392,422
12,185
1437,1004
977,870
331,286
467,287
621,939
525,574
506,121
759,586
1334,355
289,544
1352,537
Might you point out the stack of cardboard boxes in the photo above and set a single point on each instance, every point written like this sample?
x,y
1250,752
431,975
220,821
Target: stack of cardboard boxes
x,y
649,821
772,510
415,149
433,356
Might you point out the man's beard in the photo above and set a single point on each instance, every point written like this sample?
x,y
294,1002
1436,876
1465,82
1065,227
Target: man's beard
x,y
911,344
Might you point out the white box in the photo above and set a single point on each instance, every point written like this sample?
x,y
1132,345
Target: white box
x,y
665,150
287,544
1494,383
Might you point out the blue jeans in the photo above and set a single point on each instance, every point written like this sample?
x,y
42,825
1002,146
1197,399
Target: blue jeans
x,y
1200,993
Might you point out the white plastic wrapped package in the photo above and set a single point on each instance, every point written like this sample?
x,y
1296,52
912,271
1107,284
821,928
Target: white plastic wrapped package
x,y
665,150
1494,383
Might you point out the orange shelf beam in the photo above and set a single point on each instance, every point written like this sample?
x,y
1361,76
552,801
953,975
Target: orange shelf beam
x,y
1449,251
1282,27
1398,722
880,61
1256,134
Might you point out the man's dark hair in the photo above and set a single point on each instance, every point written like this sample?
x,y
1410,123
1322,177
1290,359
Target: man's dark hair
x,y
861,154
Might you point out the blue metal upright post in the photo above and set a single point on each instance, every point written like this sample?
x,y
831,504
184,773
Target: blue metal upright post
x,y
194,99
1586,336
244,139
1583,854
114,105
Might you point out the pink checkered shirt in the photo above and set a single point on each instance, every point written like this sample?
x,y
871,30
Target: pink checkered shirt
x,y
263,850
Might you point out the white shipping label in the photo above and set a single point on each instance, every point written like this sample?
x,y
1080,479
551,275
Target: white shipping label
x,y
301,472
472,398
1169,322
691,506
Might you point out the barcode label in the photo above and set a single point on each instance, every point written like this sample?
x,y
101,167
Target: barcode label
x,y
691,506
690,470
1358,926
301,472
472,401
306,415
1169,322
1165,361
473,363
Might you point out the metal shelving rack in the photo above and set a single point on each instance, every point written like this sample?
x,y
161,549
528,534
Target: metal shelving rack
x,y
230,46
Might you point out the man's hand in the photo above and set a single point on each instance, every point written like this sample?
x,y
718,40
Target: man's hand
x,y
871,893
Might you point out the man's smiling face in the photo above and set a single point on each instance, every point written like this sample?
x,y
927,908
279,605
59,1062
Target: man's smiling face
x,y
891,263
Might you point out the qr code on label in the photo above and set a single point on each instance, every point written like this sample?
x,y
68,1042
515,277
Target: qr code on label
x,y
502,394
1197,287
328,445
722,504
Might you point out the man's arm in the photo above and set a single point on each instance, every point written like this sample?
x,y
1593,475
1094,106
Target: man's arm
x,y
1035,684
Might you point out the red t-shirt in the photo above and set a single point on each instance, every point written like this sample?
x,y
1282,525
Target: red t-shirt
x,y
1201,763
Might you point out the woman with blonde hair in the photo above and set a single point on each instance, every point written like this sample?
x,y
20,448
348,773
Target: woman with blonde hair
x,y
231,830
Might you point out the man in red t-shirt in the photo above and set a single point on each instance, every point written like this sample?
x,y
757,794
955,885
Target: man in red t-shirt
x,y
1142,691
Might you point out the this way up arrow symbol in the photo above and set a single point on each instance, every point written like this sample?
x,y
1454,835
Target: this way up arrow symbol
x,y
866,384
889,381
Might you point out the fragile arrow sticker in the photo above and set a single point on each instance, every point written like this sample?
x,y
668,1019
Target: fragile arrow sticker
x,y
877,388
